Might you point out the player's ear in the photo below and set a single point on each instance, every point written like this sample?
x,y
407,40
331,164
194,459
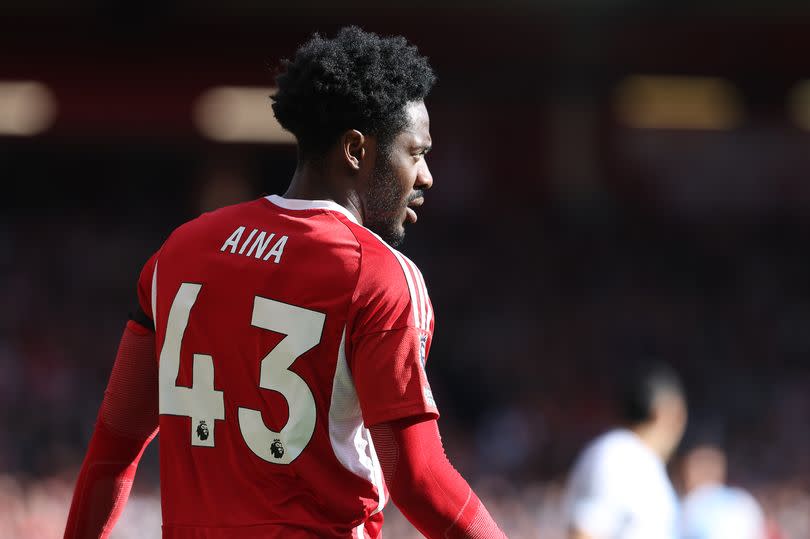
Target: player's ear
x,y
353,143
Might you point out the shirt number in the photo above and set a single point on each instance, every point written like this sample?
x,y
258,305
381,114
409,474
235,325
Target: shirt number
x,y
205,405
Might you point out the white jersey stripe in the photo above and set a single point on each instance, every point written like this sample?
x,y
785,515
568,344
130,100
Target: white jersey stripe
x,y
429,305
420,296
377,473
423,294
418,289
411,287
429,316
154,295
350,440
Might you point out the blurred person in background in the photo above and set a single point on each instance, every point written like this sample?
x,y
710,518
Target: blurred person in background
x,y
619,487
710,508
292,337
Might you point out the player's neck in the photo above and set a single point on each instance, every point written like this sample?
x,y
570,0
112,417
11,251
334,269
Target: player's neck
x,y
651,436
313,182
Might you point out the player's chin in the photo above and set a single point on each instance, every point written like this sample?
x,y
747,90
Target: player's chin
x,y
395,234
396,237
391,231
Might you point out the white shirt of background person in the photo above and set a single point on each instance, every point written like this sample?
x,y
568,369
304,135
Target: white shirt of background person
x,y
619,489
711,509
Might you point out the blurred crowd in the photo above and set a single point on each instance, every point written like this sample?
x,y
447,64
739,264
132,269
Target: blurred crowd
x,y
539,310
528,511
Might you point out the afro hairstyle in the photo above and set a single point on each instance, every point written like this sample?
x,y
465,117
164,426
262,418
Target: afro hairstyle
x,y
357,80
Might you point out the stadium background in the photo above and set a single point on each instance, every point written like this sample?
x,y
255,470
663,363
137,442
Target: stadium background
x,y
612,179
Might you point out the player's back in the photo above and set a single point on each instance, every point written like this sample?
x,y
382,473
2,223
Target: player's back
x,y
261,433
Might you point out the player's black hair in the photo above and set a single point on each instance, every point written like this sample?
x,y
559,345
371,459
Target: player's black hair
x,y
642,385
356,80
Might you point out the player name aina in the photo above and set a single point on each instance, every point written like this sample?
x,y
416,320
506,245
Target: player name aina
x,y
255,244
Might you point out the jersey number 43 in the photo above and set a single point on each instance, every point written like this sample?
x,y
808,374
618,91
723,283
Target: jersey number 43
x,y
205,405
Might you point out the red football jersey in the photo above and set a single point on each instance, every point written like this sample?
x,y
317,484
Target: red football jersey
x,y
284,329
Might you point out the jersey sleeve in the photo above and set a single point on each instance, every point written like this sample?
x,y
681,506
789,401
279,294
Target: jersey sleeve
x,y
425,486
390,334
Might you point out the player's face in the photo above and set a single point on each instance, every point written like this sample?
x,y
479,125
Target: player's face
x,y
400,178
671,411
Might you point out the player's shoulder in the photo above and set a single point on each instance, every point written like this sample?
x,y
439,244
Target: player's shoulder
x,y
385,266
389,281
614,463
616,448
607,442
743,499
377,253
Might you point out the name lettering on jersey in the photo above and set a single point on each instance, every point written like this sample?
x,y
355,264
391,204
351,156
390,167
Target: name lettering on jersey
x,y
255,244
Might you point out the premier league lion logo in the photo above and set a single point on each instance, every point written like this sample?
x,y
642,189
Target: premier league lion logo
x,y
277,449
202,431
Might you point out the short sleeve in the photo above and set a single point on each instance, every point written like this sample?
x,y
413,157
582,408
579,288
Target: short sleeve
x,y
390,334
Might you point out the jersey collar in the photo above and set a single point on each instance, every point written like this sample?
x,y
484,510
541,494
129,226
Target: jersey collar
x,y
298,204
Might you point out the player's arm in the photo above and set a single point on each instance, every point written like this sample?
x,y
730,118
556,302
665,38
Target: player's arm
x,y
127,421
391,329
424,485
